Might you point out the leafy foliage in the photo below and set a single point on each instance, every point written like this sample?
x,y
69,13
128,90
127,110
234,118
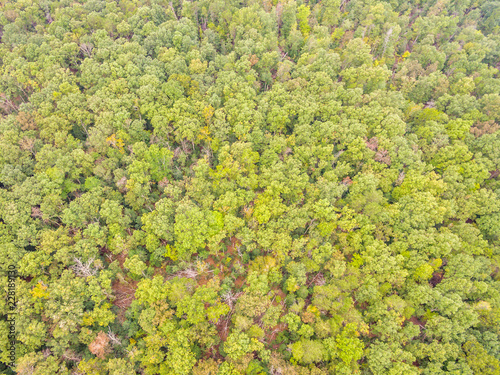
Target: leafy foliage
x,y
274,187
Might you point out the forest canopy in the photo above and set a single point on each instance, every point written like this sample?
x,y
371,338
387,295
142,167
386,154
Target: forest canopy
x,y
221,187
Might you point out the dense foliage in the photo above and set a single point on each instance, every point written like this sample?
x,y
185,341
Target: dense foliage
x,y
251,187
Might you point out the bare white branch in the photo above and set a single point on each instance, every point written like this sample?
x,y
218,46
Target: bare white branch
x,y
84,269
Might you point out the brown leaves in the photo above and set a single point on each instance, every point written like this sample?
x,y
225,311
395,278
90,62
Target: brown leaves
x,y
372,143
36,212
253,60
100,345
308,317
26,121
347,181
486,127
382,156
164,182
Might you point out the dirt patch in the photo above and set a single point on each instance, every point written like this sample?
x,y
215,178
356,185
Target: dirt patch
x,y
278,293
232,249
239,282
417,322
437,277
271,334
107,254
203,280
160,271
213,353
211,261
124,292
218,261
123,288
223,328
121,258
